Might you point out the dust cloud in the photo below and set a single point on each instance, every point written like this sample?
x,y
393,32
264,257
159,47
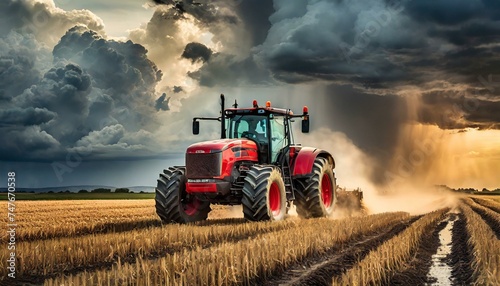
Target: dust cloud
x,y
401,190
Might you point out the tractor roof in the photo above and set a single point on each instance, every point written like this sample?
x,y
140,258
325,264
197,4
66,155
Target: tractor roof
x,y
258,110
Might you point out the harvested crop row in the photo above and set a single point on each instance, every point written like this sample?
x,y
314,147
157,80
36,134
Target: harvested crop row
x,y
492,204
41,258
56,228
36,221
230,263
486,248
392,256
33,210
93,217
491,217
40,207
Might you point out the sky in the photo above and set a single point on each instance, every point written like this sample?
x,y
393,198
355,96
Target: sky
x,y
103,92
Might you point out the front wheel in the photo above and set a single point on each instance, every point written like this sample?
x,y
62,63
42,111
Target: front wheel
x,y
316,196
264,196
173,203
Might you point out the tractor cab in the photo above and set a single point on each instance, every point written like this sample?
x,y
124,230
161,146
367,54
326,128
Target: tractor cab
x,y
266,126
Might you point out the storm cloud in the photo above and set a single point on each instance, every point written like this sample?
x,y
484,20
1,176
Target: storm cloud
x,y
87,92
162,102
236,26
197,52
379,47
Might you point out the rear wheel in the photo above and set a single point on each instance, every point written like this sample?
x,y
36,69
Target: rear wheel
x,y
264,196
316,196
173,203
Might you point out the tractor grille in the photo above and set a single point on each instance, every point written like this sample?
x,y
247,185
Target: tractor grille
x,y
203,165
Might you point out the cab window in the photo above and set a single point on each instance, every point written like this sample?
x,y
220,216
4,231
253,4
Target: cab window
x,y
278,141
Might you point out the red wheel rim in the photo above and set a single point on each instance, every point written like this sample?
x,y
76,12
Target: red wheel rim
x,y
275,199
191,207
326,191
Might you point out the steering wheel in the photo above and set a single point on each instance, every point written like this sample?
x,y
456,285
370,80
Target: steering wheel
x,y
248,134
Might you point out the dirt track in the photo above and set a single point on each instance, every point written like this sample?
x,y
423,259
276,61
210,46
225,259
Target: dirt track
x,y
321,270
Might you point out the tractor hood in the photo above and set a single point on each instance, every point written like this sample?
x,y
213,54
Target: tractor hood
x,y
220,145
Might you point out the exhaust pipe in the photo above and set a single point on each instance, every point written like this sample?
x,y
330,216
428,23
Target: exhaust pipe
x,y
222,118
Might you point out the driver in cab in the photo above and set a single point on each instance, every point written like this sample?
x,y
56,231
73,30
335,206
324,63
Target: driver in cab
x,y
256,131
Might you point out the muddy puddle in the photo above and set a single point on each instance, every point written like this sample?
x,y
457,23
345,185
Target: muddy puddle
x,y
440,271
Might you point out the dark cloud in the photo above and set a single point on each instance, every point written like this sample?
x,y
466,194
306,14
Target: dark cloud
x,y
384,45
205,11
25,117
228,70
177,89
162,103
120,70
237,25
118,65
93,89
445,12
459,110
197,52
255,16
65,91
380,44
74,42
27,143
18,64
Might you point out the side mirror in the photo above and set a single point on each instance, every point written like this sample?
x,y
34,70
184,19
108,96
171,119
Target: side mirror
x,y
196,127
305,124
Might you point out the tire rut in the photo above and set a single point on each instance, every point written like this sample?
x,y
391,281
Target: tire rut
x,y
321,269
461,256
419,266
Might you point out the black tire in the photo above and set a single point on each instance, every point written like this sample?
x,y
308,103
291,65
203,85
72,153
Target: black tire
x,y
310,199
173,204
264,196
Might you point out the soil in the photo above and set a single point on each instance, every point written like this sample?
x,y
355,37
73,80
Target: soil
x,y
320,270
461,255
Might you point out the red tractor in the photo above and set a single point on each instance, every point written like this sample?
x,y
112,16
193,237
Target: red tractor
x,y
256,163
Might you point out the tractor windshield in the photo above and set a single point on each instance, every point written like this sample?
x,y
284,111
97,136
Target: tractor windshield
x,y
249,126
256,127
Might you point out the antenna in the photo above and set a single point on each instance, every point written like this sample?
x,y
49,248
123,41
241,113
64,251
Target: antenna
x,y
222,117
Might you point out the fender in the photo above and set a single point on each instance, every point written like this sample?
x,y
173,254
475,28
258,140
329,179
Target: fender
x,y
303,163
